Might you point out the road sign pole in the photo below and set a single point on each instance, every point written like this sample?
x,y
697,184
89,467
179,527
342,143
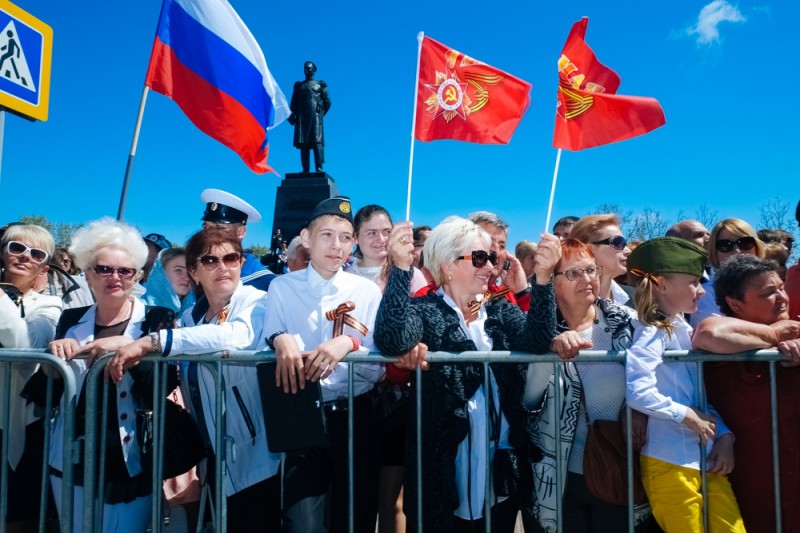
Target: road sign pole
x,y
2,134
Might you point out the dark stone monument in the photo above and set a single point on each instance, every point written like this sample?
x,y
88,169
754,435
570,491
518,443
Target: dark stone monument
x,y
310,103
300,192
296,196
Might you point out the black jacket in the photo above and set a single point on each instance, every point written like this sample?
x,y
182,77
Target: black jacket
x,y
401,323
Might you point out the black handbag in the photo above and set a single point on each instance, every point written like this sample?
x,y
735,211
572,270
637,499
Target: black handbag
x,y
511,473
183,443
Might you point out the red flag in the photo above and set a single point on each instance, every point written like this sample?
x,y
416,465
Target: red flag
x,y
463,99
589,113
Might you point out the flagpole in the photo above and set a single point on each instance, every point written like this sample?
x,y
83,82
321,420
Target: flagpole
x,y
129,167
552,192
420,36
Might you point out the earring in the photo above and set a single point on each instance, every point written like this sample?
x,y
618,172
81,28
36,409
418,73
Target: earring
x,y
449,277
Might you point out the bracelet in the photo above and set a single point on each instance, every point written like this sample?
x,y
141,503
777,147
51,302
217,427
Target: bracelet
x,y
356,343
155,342
524,292
271,339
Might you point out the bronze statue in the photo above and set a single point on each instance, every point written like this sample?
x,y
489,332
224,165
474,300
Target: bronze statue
x,y
309,104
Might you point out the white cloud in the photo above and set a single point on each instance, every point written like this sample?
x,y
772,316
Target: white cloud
x,y
709,19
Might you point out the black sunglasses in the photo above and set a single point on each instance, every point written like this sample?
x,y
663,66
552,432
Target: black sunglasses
x,y
105,271
211,262
617,241
743,243
17,248
480,257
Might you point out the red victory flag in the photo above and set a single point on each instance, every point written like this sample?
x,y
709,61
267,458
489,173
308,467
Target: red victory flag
x,y
589,113
463,99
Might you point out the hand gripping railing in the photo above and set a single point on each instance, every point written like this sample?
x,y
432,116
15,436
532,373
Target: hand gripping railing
x,y
215,362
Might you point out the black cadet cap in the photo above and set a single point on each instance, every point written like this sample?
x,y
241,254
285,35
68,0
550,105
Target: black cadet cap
x,y
337,206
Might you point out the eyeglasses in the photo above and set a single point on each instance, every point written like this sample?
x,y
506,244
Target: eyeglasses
x,y
618,241
66,261
480,257
36,255
743,243
211,262
577,273
105,271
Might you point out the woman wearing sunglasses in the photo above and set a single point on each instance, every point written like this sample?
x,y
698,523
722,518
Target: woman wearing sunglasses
x,y
111,254
229,316
575,318
27,320
732,236
604,237
462,316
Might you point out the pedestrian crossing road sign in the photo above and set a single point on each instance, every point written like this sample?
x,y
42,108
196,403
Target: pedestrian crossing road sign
x,y
26,46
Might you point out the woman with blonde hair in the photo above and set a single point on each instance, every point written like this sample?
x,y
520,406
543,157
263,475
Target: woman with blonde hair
x,y
729,237
603,235
459,256
27,320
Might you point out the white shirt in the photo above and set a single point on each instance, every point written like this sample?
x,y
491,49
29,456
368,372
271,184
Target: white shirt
x,y
664,391
297,304
618,294
472,455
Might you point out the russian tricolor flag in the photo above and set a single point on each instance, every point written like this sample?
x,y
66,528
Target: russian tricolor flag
x,y
206,59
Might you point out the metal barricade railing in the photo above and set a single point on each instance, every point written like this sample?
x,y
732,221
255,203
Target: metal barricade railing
x,y
215,362
9,358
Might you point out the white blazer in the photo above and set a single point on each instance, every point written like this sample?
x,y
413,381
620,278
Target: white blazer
x,y
247,455
83,333
35,330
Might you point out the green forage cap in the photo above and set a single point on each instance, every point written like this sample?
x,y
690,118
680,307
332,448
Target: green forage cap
x,y
665,255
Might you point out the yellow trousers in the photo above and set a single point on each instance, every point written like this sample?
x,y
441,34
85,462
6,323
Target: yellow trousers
x,y
677,503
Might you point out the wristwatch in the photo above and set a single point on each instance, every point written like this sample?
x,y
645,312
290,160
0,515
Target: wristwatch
x,y
271,339
155,342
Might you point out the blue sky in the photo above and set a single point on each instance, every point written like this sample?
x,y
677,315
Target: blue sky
x,y
724,73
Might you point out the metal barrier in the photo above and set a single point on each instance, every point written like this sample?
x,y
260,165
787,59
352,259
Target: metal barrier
x,y
94,463
9,358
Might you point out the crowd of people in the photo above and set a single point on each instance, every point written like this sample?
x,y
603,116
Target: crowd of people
x,y
363,283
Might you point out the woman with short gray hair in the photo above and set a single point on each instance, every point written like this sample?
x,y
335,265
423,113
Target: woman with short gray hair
x,y
112,255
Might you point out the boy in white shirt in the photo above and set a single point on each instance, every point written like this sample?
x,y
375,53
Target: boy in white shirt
x,y
309,347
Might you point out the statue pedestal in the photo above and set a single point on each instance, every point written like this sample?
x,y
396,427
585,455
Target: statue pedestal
x,y
297,195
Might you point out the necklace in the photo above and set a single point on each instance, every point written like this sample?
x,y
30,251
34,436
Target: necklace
x,y
126,316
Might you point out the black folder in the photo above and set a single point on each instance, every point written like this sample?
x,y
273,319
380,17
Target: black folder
x,y
294,421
